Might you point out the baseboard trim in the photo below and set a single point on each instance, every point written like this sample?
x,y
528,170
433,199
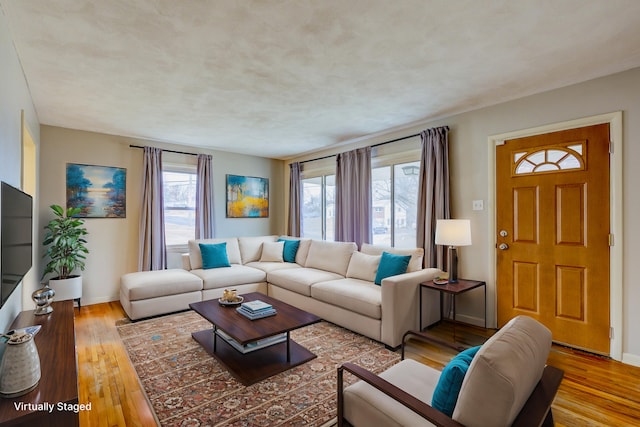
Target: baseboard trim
x,y
631,359
475,321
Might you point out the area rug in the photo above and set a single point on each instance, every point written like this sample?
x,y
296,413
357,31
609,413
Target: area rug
x,y
188,387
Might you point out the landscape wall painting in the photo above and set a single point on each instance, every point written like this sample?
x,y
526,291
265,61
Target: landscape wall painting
x,y
247,197
99,191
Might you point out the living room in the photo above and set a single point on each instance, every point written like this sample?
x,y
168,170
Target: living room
x,y
113,243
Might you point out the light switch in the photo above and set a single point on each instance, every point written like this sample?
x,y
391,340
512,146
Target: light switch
x,y
478,205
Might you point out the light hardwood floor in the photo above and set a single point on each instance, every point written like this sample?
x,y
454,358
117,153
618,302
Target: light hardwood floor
x,y
595,391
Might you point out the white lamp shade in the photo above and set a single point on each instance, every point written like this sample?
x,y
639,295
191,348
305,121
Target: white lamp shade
x,y
453,232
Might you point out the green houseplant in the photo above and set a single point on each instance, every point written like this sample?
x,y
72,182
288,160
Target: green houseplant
x,y
66,250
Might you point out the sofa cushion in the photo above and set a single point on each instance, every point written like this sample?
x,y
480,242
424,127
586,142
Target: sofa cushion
x,y
268,267
214,255
195,257
509,365
290,249
299,280
151,284
416,254
330,256
359,296
229,276
447,390
251,247
391,265
363,266
272,252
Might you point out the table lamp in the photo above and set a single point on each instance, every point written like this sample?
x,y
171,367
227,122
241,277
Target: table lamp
x,y
453,233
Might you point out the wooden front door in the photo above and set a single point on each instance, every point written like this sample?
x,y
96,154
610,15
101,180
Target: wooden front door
x,y
553,233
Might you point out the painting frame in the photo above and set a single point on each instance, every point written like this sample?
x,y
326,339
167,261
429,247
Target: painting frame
x,y
98,191
247,196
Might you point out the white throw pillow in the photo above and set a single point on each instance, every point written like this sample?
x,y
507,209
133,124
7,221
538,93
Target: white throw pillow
x,y
272,252
363,266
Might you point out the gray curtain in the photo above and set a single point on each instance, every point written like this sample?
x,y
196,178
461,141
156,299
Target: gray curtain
x,y
204,198
293,226
152,253
433,193
353,196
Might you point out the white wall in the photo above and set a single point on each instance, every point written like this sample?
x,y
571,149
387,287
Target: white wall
x,y
470,177
14,99
113,243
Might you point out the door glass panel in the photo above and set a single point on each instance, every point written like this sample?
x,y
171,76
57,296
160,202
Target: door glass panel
x,y
554,156
570,162
546,167
548,160
576,148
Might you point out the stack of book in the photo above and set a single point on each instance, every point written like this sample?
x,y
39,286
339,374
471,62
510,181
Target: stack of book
x,y
252,346
256,309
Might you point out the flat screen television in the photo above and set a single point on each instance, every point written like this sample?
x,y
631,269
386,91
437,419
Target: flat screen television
x,y
16,237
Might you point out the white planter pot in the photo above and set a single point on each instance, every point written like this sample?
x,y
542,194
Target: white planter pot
x,y
65,289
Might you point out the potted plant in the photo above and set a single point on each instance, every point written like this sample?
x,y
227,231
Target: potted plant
x,y
66,249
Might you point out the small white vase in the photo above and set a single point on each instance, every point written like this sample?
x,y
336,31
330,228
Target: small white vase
x,y
65,289
20,366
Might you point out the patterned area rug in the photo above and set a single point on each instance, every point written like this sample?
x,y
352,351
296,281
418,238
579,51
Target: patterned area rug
x,y
188,387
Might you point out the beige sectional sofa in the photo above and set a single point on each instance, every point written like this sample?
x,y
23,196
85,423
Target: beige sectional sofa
x,y
330,279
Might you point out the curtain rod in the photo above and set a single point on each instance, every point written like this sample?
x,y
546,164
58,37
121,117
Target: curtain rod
x,y
374,145
168,151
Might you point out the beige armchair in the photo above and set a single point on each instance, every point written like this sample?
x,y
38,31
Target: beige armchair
x,y
507,384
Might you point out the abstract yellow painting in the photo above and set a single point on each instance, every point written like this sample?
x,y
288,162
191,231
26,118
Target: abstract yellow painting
x,y
247,197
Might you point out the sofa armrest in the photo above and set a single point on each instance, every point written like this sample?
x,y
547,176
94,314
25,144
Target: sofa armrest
x,y
186,262
421,408
400,301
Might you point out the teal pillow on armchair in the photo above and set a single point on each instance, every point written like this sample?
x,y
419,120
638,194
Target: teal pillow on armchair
x,y
445,396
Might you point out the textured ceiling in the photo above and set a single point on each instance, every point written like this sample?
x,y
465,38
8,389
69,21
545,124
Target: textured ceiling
x,y
279,78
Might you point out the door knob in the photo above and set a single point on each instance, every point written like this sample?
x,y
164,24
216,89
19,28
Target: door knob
x,y
503,246
504,233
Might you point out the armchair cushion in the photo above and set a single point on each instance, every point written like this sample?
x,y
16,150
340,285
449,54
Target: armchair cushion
x,y
446,393
364,405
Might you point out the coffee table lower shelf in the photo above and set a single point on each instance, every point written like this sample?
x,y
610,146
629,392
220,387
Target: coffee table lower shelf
x,y
250,368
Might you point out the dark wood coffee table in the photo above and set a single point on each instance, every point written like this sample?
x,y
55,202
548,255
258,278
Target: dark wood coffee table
x,y
251,367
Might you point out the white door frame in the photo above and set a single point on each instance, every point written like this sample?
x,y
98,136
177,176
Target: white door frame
x,y
616,253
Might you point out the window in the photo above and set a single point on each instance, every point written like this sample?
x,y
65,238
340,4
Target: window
x,y
394,198
318,207
554,159
179,189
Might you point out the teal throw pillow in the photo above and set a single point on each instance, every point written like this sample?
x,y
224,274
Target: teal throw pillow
x,y
214,255
391,265
290,249
445,396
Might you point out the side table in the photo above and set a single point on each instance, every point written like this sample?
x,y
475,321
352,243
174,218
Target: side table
x,y
453,289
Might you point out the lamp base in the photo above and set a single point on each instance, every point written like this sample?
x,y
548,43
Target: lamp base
x,y
452,264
